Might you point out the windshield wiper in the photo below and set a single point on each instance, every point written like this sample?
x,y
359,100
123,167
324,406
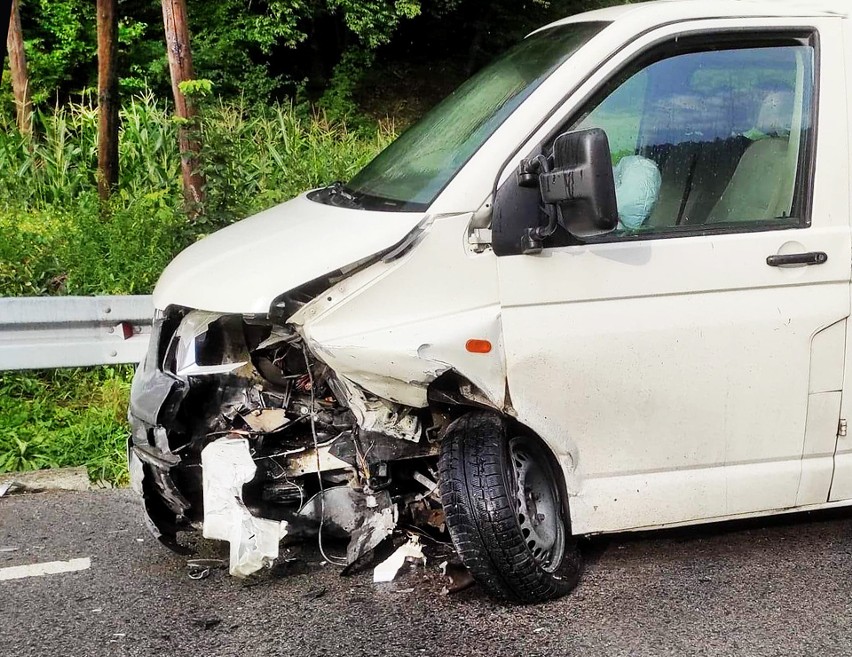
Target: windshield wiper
x,y
336,194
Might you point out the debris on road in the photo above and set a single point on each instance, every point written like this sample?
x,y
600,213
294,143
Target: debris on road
x,y
206,623
201,568
315,593
388,569
459,576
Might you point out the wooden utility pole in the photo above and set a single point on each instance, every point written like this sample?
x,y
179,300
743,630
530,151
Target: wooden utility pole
x,y
107,97
18,68
180,66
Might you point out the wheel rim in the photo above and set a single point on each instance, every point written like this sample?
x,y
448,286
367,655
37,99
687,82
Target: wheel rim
x,y
537,503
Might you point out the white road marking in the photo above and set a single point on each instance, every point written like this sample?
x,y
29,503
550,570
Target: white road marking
x,y
45,568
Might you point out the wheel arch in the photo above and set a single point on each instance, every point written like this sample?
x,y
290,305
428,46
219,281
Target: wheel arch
x,y
515,427
453,395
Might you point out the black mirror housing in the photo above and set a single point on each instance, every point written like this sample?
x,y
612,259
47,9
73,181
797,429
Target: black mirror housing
x,y
581,185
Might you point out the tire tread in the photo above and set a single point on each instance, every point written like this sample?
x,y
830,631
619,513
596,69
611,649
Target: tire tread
x,y
481,515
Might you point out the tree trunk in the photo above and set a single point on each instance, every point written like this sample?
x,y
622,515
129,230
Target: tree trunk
x,y
180,66
107,97
18,67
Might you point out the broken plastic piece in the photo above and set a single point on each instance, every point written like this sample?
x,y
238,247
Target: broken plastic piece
x,y
378,415
343,508
193,326
388,569
226,466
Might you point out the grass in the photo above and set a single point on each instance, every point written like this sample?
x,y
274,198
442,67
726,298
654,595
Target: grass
x,y
64,418
55,239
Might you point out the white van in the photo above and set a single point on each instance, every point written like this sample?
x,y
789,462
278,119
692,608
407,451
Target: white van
x,y
604,286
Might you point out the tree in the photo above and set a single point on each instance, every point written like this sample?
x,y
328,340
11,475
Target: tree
x,y
107,16
180,66
18,68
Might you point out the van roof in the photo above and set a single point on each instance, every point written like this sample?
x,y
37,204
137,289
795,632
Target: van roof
x,y
673,10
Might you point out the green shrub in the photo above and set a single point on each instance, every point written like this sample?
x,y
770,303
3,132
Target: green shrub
x,y
63,418
57,240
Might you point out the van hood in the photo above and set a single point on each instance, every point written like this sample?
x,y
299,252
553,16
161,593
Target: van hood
x,y
243,268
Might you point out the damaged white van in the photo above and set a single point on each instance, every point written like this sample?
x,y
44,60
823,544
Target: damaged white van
x,y
604,286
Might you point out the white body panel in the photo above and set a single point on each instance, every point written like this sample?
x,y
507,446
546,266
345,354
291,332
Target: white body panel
x,y
244,267
397,326
841,488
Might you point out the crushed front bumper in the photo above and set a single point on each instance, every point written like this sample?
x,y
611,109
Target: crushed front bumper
x,y
248,440
154,399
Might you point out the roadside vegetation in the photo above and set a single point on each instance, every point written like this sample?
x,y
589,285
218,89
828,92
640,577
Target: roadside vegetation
x,y
57,240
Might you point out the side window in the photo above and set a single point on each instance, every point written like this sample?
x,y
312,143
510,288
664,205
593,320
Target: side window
x,y
713,138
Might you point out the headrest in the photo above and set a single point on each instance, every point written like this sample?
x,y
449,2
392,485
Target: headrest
x,y
691,117
776,114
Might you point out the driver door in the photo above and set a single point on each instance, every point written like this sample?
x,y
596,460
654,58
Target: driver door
x,y
678,371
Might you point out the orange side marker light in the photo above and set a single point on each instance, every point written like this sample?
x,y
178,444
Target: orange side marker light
x,y
478,346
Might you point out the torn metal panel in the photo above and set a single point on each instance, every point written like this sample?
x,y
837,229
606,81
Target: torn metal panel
x,y
378,415
266,420
375,528
305,462
278,336
370,328
366,366
227,466
367,518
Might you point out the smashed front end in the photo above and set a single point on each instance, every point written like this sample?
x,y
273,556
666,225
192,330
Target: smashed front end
x,y
240,431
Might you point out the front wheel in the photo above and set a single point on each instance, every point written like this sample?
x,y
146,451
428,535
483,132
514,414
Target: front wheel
x,y
505,512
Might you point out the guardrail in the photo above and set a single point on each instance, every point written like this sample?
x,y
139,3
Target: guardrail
x,y
49,332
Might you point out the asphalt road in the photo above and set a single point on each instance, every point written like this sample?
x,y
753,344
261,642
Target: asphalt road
x,y
778,587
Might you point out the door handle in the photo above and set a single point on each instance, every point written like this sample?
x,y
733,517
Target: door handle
x,y
811,258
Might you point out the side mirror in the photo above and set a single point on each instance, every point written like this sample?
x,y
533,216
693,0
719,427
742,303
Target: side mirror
x,y
581,184
578,187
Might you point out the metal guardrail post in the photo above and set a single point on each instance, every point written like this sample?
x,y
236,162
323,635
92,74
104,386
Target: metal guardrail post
x,y
49,332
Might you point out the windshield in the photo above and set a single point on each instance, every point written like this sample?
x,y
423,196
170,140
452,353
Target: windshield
x,y
411,172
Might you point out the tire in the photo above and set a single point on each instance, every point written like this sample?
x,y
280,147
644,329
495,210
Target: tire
x,y
513,559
